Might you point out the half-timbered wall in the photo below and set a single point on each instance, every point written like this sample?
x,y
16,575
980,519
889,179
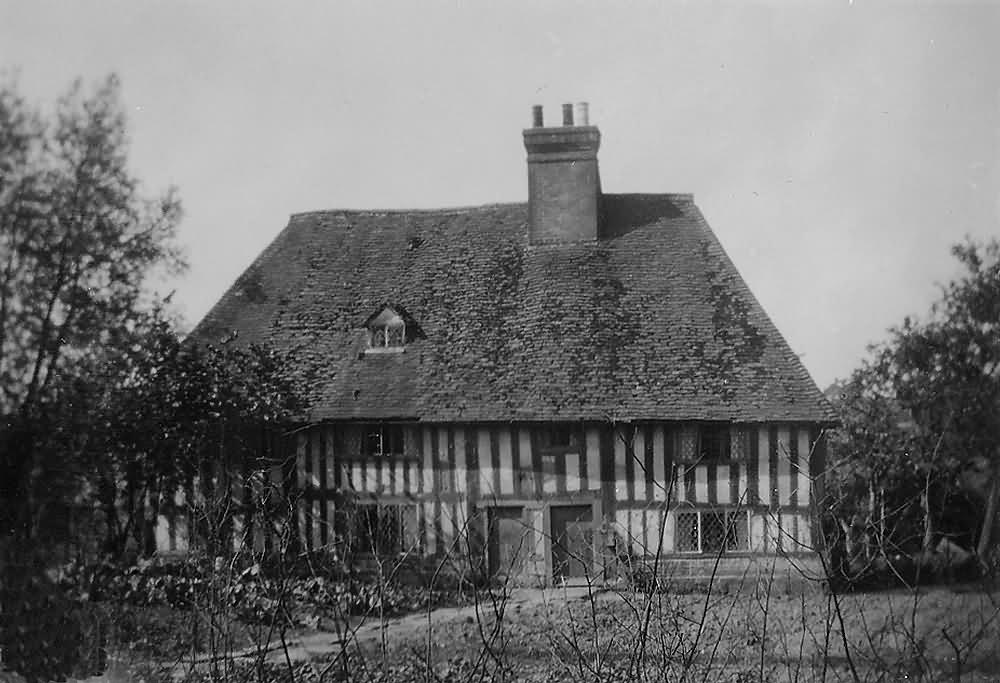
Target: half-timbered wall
x,y
639,474
449,471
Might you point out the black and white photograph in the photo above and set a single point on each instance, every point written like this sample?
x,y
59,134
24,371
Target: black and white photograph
x,y
466,342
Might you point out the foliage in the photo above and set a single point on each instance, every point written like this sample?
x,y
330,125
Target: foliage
x,y
175,412
107,414
44,633
918,456
253,594
79,245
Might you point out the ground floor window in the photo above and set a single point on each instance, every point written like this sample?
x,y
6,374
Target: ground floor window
x,y
384,529
712,531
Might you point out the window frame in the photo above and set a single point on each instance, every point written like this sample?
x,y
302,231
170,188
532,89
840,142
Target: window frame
x,y
400,512
547,446
732,439
725,513
387,332
383,427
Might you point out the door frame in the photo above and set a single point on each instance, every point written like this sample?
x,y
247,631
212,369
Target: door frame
x,y
576,499
526,549
596,564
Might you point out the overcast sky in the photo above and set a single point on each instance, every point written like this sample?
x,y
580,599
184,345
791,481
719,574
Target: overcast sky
x,y
836,150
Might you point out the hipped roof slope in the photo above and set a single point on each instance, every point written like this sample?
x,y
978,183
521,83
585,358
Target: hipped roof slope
x,y
651,322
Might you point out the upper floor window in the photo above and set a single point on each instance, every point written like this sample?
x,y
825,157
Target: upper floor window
x,y
382,440
713,442
558,438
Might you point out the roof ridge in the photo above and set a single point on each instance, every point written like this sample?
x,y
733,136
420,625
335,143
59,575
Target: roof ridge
x,y
444,211
470,208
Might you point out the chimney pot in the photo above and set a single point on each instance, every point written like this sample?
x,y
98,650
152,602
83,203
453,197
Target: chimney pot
x,y
582,114
567,114
537,118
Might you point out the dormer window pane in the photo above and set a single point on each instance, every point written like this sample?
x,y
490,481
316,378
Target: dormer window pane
x,y
394,335
387,330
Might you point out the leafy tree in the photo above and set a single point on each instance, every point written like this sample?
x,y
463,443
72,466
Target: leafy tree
x,y
947,374
176,413
78,246
921,434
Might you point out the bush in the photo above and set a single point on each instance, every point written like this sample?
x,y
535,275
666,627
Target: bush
x,y
255,594
44,634
902,570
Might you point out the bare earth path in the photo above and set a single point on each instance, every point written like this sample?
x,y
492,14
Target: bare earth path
x,y
311,645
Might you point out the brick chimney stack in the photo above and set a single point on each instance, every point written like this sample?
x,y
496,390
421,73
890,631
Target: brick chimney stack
x,y
564,187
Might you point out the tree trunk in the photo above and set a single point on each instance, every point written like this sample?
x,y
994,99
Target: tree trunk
x,y
989,519
151,517
881,519
925,504
870,524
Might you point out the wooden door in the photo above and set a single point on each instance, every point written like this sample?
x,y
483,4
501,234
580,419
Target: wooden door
x,y
572,541
509,541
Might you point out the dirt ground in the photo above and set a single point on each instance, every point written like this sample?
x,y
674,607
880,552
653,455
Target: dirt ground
x,y
738,636
741,635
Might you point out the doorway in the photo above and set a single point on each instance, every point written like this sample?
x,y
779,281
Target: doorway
x,y
509,541
572,542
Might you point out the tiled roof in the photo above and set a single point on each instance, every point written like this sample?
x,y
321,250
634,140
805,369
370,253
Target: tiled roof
x,y
650,322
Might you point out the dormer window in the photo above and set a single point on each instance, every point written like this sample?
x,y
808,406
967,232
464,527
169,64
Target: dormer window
x,y
386,331
388,336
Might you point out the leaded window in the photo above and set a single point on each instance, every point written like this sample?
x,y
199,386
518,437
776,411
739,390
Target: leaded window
x,y
386,331
382,440
712,531
384,529
712,442
558,438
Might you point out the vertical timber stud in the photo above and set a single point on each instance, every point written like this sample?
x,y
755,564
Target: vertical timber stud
x,y
648,431
606,474
712,482
817,497
315,491
669,471
330,486
773,533
783,458
592,464
305,497
560,473
636,454
506,461
622,466
738,468
527,473
495,462
456,448
487,468
772,467
660,482
802,464
300,480
469,435
680,471
793,466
